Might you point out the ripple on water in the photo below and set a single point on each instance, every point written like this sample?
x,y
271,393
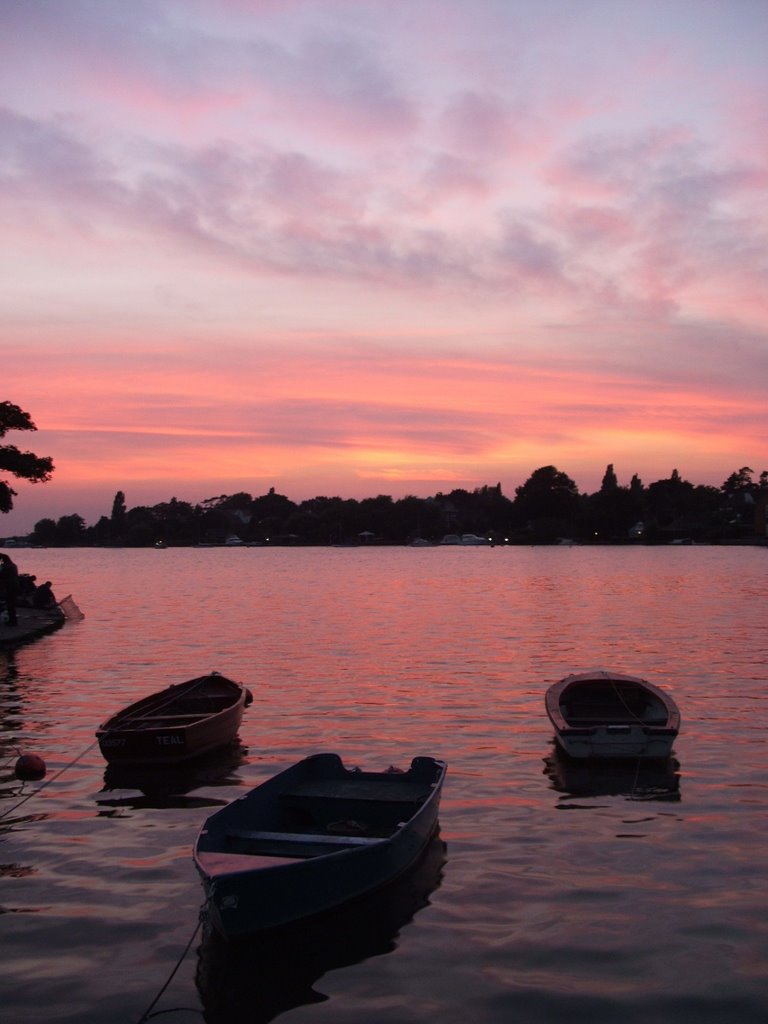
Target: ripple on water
x,y
566,895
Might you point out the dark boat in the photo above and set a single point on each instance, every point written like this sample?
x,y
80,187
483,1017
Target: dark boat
x,y
180,723
313,838
601,714
255,980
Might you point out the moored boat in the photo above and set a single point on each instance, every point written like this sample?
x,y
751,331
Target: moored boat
x,y
313,838
602,714
266,975
176,724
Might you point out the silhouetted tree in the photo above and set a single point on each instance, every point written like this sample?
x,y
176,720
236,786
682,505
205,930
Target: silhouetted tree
x,y
117,521
740,494
24,465
44,533
675,507
610,481
269,515
324,520
416,517
613,510
140,527
101,533
547,503
741,482
175,522
375,516
70,530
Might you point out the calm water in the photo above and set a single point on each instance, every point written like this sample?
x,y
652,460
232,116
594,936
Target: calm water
x,y
564,896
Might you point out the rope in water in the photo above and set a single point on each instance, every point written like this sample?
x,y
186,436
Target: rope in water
x,y
47,782
148,1012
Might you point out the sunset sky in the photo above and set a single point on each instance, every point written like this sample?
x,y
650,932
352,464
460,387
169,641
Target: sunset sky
x,y
381,246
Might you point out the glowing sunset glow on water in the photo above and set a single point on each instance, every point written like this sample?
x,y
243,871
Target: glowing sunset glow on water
x,y
559,876
359,249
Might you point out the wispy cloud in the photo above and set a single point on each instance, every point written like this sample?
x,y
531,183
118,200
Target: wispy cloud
x,y
353,238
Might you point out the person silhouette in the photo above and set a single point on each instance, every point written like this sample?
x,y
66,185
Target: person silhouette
x,y
44,596
9,586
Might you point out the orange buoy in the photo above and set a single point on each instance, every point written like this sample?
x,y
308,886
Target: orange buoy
x,y
30,766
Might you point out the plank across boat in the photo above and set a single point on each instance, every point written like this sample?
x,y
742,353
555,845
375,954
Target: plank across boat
x,y
181,722
603,714
313,838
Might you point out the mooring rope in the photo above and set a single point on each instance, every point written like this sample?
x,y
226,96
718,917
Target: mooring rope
x,y
47,782
148,1012
633,714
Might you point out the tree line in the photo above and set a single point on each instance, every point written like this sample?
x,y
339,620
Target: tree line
x,y
548,507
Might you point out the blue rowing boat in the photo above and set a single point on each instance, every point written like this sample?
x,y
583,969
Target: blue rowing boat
x,y
313,838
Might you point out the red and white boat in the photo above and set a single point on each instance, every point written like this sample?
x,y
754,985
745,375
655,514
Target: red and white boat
x,y
601,714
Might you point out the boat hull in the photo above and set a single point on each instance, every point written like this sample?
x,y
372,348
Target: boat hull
x,y
232,990
290,877
606,715
175,725
615,742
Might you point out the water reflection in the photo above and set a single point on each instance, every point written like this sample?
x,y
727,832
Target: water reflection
x,y
10,700
257,980
11,724
635,780
168,785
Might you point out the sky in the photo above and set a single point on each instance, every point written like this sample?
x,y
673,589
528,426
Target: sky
x,y
362,247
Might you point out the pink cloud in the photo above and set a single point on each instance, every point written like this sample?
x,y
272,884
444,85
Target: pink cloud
x,y
361,242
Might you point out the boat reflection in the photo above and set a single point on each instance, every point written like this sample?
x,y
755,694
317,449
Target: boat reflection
x,y
256,980
168,786
635,780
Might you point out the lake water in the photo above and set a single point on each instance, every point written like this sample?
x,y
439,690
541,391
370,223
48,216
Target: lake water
x,y
563,897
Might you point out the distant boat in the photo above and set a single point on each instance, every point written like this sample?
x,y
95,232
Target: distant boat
x,y
312,838
177,724
609,715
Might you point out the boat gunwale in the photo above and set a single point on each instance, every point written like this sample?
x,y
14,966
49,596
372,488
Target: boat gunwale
x,y
120,722
556,692
431,797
